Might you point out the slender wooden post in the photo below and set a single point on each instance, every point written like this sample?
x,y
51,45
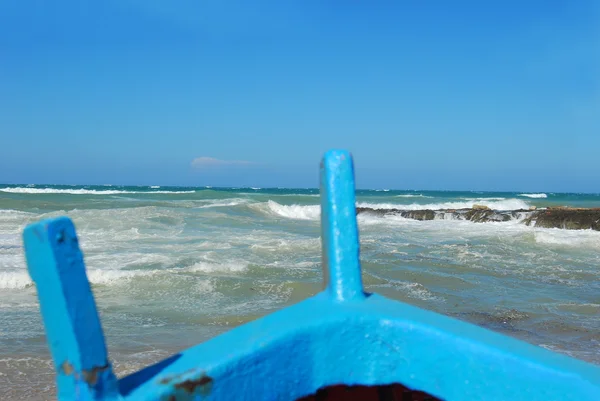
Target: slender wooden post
x,y
339,229
68,309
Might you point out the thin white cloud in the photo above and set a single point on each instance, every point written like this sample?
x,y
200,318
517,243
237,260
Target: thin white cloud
x,y
204,161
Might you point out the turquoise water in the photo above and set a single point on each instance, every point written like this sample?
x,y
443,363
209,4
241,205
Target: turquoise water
x,y
171,267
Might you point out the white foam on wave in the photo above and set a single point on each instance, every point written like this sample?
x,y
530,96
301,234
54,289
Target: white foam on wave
x,y
20,279
212,267
301,195
12,212
14,216
298,212
17,280
132,261
113,276
109,229
18,305
484,199
512,231
534,196
505,204
292,245
155,186
223,203
22,190
312,212
414,196
11,257
567,238
14,280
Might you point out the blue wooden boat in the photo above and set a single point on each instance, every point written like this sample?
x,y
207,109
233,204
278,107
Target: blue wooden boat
x,y
341,344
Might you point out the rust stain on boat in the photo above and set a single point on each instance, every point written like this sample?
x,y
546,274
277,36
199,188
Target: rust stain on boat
x,y
90,376
195,385
204,383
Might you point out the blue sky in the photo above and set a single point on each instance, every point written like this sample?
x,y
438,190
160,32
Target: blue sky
x,y
481,95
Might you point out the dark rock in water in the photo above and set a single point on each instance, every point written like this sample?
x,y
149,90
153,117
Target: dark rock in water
x,y
486,215
419,214
555,217
566,218
479,215
424,214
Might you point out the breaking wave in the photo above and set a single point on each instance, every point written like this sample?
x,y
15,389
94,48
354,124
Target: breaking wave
x,y
568,238
16,280
223,203
298,212
506,204
312,212
534,196
414,196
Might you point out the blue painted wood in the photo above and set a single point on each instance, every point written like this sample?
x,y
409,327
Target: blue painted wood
x,y
339,230
73,329
339,336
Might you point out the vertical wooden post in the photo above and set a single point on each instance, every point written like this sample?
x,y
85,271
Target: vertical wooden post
x,y
339,229
68,309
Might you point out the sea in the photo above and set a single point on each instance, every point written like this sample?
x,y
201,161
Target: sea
x,y
174,266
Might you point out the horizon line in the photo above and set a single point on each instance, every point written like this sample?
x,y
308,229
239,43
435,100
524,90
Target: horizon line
x,y
257,188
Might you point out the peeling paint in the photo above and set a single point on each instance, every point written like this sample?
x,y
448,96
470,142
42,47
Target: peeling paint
x,y
67,368
204,383
89,376
195,385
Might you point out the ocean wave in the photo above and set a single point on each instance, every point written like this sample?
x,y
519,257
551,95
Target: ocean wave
x,y
24,190
106,276
212,267
14,280
17,280
298,212
484,199
278,245
223,203
414,196
10,215
513,230
413,290
506,204
20,279
313,212
567,238
535,196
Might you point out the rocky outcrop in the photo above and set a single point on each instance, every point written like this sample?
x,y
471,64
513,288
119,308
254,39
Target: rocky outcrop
x,y
554,217
424,214
566,218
